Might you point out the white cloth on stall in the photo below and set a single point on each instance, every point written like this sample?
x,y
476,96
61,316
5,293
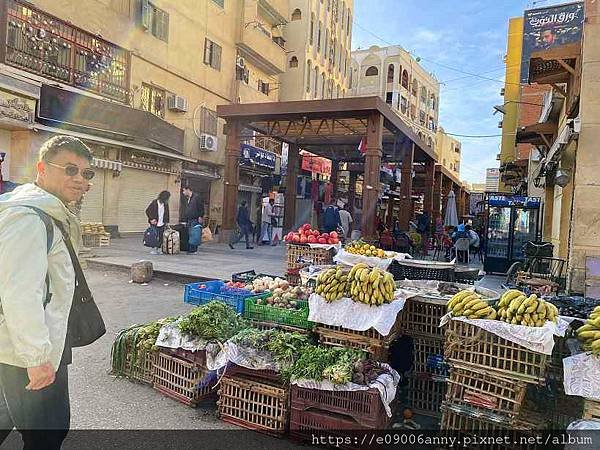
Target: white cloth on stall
x,y
336,247
357,316
582,376
538,339
386,384
350,259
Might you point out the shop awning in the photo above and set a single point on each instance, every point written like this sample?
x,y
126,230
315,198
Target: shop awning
x,y
117,166
537,134
103,140
200,174
249,188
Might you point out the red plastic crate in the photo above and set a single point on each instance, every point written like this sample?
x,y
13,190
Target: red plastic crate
x,y
197,357
267,375
363,407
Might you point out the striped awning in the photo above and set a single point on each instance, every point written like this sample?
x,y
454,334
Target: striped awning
x,y
107,164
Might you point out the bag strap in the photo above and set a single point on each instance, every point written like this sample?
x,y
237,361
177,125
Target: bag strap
x,y
80,281
47,220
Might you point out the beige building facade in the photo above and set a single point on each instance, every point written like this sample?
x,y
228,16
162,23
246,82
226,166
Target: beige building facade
x,y
448,151
318,41
394,75
155,70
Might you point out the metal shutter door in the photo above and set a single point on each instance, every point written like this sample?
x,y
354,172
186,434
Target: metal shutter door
x,y
137,189
93,203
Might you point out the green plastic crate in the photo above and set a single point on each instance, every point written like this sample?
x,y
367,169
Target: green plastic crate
x,y
267,313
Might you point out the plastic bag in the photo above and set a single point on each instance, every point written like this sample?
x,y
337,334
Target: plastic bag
x,y
207,235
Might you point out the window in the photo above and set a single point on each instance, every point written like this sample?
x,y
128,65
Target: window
x,y
330,89
389,96
319,37
293,62
326,42
308,74
372,72
316,89
242,74
430,142
432,102
348,23
431,124
296,15
220,3
153,100
390,74
413,111
457,149
263,87
405,79
423,94
415,87
159,23
212,54
403,104
323,85
422,117
209,121
311,38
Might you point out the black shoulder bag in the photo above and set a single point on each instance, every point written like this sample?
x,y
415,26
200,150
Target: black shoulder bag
x,y
85,321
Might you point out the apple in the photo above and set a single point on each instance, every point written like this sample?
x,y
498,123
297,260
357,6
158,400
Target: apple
x,y
296,238
316,233
325,235
303,239
306,226
333,235
335,241
312,239
322,240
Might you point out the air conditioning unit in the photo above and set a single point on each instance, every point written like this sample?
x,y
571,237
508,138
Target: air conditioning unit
x,y
177,103
207,143
240,62
500,124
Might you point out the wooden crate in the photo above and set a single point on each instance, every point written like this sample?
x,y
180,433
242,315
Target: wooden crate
x,y
370,340
91,240
425,396
104,241
300,255
184,381
253,404
470,346
427,353
421,317
591,409
565,409
142,369
487,390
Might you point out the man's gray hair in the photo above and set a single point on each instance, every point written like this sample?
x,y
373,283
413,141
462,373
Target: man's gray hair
x,y
61,143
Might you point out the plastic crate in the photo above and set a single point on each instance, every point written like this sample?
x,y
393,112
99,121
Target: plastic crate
x,y
486,390
408,271
428,358
197,357
253,404
182,380
268,313
371,341
249,276
472,347
425,396
365,408
216,291
266,375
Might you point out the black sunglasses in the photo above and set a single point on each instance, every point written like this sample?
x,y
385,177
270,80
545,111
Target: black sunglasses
x,y
72,171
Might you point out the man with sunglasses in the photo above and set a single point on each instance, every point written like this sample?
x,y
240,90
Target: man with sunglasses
x,y
37,286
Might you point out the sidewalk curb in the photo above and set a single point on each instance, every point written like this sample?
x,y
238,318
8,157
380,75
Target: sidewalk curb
x,y
162,274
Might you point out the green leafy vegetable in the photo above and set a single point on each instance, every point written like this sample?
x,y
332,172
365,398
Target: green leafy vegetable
x,y
215,320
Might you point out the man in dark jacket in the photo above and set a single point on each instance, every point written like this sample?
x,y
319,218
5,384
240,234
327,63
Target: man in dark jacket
x,y
331,217
243,221
158,216
193,214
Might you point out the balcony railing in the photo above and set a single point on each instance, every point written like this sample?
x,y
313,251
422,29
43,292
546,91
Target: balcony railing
x,y
42,44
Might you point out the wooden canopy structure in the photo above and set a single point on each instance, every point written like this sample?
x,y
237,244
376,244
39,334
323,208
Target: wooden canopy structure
x,y
332,129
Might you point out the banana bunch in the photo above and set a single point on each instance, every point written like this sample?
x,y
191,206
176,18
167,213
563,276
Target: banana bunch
x,y
589,334
332,284
470,304
362,248
372,286
516,308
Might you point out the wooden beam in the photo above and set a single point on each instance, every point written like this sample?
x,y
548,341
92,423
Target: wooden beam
x,y
560,90
545,139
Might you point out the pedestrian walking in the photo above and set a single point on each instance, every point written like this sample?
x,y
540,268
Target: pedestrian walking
x,y
158,216
245,225
346,221
193,216
331,217
267,218
46,307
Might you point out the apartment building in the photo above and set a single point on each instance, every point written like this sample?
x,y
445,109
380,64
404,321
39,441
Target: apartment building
x,y
398,78
318,41
448,152
139,81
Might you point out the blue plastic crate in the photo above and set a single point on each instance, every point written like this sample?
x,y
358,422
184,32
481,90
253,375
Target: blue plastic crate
x,y
216,290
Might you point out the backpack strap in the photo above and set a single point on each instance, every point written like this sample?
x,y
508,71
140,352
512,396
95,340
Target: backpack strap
x,y
48,223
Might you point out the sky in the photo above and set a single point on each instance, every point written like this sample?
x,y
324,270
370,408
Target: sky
x,y
450,37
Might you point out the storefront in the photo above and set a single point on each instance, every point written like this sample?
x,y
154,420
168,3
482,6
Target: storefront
x,y
204,180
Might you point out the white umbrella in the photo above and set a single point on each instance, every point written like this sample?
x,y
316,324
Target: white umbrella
x,y
451,218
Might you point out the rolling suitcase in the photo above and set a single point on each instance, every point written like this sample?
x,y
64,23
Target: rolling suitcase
x,y
170,244
183,236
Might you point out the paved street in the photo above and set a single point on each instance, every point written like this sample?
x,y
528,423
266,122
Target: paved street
x,y
213,260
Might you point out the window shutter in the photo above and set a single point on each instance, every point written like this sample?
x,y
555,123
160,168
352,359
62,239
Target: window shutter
x,y
145,12
165,23
216,57
206,51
